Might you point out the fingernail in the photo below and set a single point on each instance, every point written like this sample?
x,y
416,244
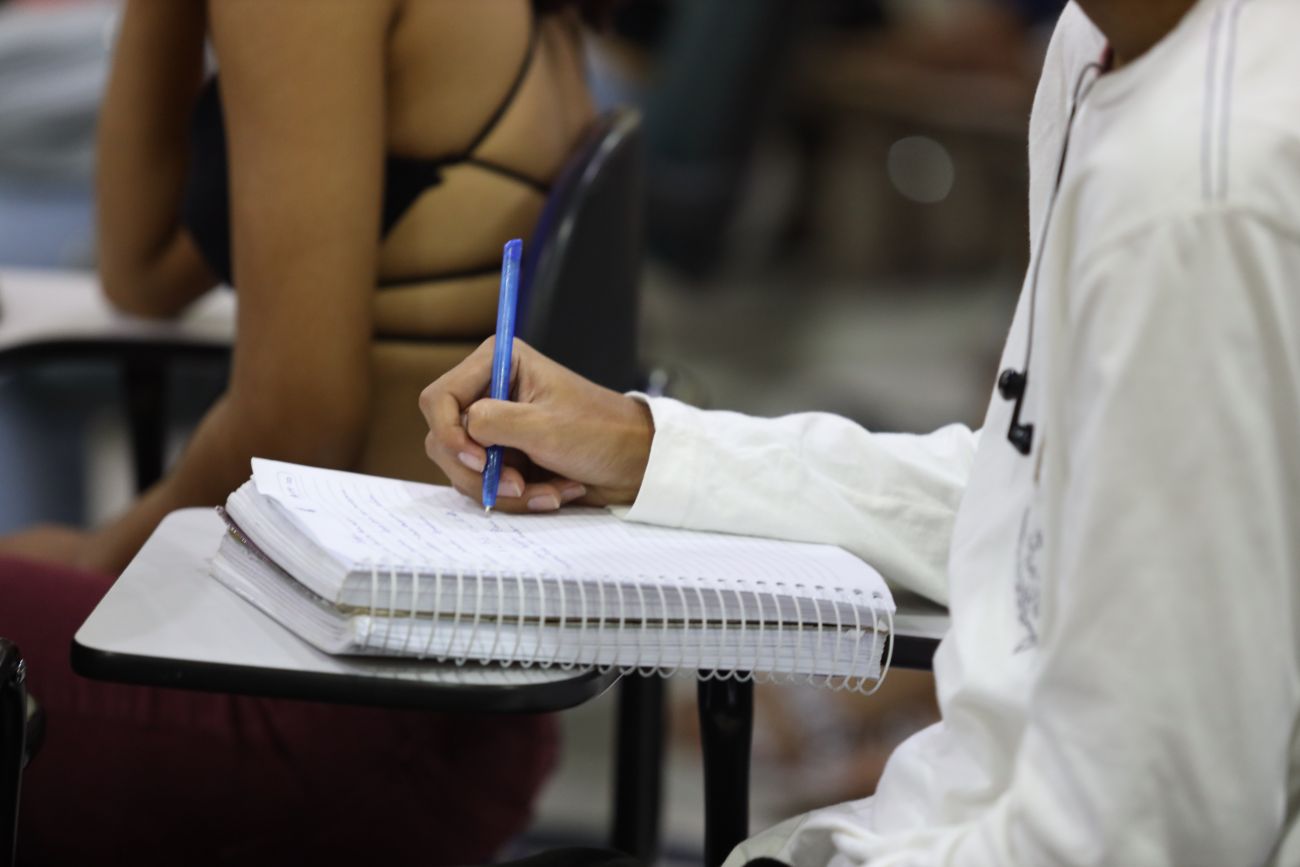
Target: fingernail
x,y
572,492
473,461
544,503
510,489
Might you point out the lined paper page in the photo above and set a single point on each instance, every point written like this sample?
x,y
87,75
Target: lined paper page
x,y
364,519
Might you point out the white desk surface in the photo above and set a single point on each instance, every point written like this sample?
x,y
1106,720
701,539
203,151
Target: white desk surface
x,y
167,609
49,306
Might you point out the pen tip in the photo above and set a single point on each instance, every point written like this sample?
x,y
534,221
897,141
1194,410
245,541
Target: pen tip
x,y
487,510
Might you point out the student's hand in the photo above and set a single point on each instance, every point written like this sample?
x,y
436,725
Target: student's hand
x,y
567,439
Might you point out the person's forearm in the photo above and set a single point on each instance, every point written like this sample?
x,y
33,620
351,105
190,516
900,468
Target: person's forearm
x,y
215,462
209,469
813,477
147,264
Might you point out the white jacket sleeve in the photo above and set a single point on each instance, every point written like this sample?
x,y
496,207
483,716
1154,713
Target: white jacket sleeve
x,y
1165,700
888,498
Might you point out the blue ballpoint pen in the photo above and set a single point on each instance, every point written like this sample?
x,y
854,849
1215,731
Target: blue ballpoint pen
x,y
500,389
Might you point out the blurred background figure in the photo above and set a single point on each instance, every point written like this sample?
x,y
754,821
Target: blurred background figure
x,y
835,221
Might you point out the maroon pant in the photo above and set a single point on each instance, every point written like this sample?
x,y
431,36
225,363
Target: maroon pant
x,y
148,776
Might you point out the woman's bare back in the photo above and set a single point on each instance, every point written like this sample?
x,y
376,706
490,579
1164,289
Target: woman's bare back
x,y
458,69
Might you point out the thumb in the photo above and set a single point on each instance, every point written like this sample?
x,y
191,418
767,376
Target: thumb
x,y
521,426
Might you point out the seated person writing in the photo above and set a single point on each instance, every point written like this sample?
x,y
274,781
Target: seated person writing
x,y
1118,545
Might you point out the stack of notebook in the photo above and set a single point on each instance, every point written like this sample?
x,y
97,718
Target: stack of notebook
x,y
356,564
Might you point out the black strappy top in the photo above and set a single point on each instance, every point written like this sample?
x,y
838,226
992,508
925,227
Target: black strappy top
x,y
205,206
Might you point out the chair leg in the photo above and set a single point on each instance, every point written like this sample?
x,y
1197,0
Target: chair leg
x,y
638,772
145,385
35,730
13,733
726,732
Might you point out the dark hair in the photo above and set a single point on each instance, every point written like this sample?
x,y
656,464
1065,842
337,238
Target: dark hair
x,y
595,12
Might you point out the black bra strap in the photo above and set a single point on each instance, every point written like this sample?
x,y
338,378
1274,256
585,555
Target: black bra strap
x,y
407,178
533,32
513,174
491,268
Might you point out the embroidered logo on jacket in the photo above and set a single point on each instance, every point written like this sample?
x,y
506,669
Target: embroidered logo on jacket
x,y
1029,585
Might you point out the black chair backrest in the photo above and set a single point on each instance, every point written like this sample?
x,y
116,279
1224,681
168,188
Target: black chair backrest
x,y
578,289
13,734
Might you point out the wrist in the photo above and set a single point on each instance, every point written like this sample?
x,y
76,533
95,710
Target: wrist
x,y
630,455
641,434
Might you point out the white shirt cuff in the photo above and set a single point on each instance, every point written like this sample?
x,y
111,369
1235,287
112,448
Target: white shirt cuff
x,y
667,491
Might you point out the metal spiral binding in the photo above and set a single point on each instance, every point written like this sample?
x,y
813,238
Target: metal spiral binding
x,y
600,623
645,624
462,657
701,673
374,593
722,638
737,624
455,617
797,631
433,617
686,623
659,667
811,677
541,618
780,632
559,644
410,611
500,619
392,604
750,674
622,620
857,648
519,626
875,635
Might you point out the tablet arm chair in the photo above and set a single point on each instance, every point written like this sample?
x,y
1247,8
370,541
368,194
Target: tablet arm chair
x,y
578,290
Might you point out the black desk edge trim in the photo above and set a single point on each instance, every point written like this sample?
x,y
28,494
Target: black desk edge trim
x,y
108,349
913,652
338,688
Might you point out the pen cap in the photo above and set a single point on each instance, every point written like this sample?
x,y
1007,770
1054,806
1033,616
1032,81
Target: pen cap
x,y
507,305
507,302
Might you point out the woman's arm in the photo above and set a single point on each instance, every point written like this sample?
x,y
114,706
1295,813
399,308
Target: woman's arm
x,y
303,93
147,263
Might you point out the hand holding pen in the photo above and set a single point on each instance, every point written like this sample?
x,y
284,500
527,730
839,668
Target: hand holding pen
x,y
568,439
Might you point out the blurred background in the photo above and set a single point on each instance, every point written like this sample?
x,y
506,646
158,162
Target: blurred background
x,y
835,220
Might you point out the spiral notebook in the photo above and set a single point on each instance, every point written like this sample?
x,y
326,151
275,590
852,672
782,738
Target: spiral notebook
x,y
358,564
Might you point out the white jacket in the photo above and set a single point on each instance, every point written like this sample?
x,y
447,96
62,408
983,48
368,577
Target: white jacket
x,y
1122,678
